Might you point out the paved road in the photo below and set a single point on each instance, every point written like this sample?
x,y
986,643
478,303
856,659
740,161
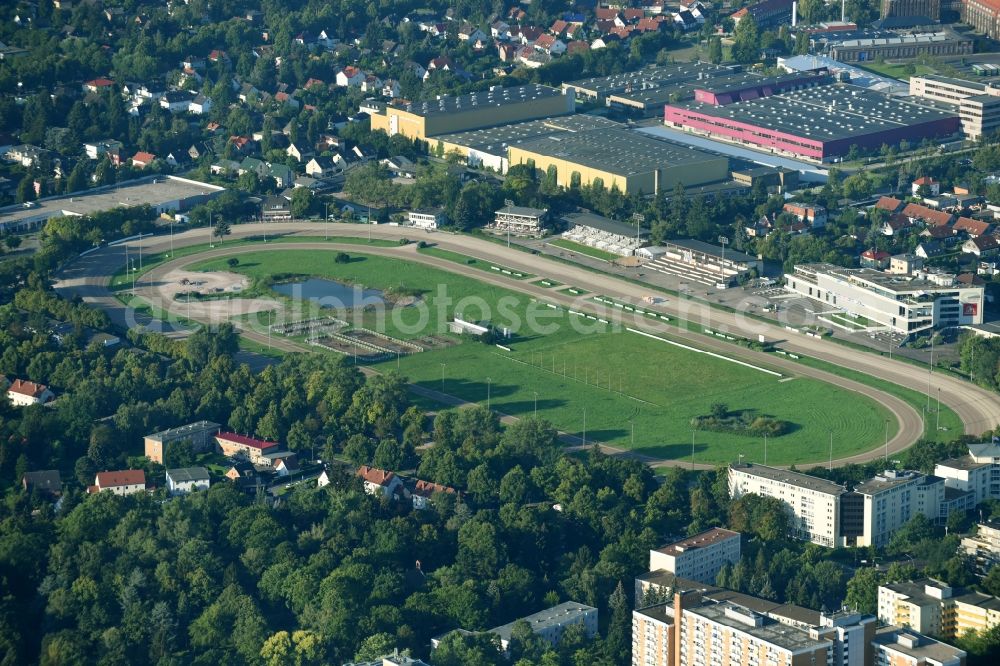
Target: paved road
x,y
978,409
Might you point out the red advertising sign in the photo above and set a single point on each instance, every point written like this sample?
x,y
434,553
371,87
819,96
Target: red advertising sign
x,y
969,309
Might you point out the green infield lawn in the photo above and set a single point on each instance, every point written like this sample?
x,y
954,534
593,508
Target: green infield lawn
x,y
577,365
584,249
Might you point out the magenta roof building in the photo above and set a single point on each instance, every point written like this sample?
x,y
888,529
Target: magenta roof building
x,y
819,124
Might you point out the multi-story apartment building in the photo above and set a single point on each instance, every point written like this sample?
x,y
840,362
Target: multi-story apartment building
x,y
831,515
890,499
977,103
905,304
201,435
977,473
706,627
984,546
814,503
931,607
699,557
898,647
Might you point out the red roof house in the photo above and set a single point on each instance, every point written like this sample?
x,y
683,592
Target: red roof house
x,y
23,393
120,482
141,160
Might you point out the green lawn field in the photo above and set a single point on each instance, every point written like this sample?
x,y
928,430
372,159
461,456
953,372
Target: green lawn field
x,y
617,377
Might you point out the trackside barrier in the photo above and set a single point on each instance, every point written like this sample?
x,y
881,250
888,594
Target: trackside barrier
x,y
702,351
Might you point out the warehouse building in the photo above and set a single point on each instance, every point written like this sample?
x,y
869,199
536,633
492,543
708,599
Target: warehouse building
x,y
902,303
819,124
161,193
869,48
648,88
487,147
633,162
487,108
977,104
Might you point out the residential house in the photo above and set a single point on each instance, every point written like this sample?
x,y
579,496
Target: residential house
x,y
233,445
276,209
141,159
933,187
379,481
178,101
98,85
287,466
193,62
23,393
896,225
889,204
470,33
981,246
120,482
550,44
282,174
877,259
350,77
500,30
371,84
200,435
759,229
186,480
929,216
246,477
96,150
972,228
326,39
813,214
45,481
930,250
400,167
26,155
200,105
321,167
423,491
298,153
391,89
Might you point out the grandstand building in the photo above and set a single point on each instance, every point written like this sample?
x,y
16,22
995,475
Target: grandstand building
x,y
604,234
695,261
634,162
819,124
488,108
520,220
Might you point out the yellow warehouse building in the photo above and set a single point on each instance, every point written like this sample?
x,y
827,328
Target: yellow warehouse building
x,y
487,108
634,162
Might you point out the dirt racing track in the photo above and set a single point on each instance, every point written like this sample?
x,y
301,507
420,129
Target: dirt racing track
x,y
978,409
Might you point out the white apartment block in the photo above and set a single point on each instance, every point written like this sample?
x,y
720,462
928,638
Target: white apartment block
x,y
977,473
984,546
902,647
977,104
893,498
699,557
549,624
903,303
814,503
